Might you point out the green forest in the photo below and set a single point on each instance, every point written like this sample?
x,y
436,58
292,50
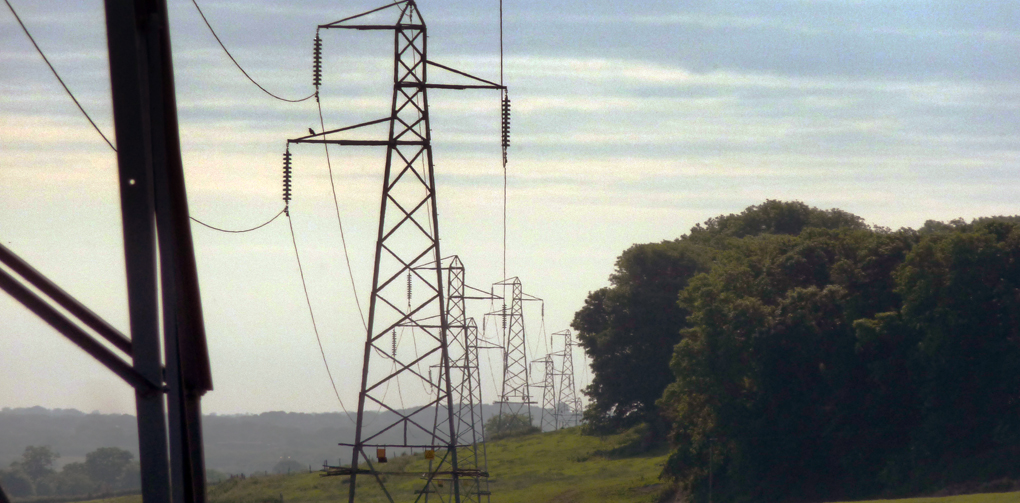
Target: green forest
x,y
789,353
104,471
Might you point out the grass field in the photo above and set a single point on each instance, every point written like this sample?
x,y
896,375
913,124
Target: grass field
x,y
556,467
559,467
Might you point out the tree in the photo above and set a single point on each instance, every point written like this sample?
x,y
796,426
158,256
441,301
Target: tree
x,y
37,462
287,465
74,479
772,217
16,483
509,425
629,329
106,465
960,295
836,364
769,379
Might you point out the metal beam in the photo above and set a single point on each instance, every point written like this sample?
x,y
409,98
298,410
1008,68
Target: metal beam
x,y
75,334
64,300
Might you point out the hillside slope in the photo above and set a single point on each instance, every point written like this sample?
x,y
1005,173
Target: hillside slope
x,y
554,467
561,466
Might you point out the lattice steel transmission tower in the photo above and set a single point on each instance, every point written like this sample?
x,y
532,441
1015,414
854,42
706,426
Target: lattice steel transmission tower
x,y
548,418
408,329
568,404
515,398
467,389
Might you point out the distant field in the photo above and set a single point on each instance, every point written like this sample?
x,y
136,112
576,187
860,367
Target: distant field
x,y
560,467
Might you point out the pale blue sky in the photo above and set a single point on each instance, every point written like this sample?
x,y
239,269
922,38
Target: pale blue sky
x,y
633,121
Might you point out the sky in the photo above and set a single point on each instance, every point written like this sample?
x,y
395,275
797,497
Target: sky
x,y
632,122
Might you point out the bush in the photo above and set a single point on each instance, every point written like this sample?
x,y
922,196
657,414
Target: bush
x,y
512,425
16,483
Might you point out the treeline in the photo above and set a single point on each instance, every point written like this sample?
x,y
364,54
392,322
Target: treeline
x,y
795,354
104,471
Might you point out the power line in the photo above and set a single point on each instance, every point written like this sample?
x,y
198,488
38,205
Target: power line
x,y
343,240
315,328
240,231
57,75
211,30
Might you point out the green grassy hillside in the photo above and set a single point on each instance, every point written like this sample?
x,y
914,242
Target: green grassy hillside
x,y
563,466
559,467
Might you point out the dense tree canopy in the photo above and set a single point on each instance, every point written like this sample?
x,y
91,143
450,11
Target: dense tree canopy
x,y
629,328
838,364
104,470
812,357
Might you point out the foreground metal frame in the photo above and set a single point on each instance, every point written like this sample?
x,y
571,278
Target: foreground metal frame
x,y
154,211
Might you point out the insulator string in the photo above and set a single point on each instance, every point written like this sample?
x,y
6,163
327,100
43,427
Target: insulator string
x,y
317,61
286,181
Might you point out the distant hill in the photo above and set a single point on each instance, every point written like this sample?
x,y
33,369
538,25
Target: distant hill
x,y
234,443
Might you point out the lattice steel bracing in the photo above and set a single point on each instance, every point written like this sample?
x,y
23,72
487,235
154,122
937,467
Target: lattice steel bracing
x,y
407,348
547,421
568,403
515,397
407,259
467,392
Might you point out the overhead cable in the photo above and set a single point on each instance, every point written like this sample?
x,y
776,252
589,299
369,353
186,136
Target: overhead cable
x,y
311,313
243,230
336,204
217,37
57,75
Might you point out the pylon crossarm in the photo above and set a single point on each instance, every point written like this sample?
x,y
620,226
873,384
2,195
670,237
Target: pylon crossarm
x,y
491,85
363,14
332,131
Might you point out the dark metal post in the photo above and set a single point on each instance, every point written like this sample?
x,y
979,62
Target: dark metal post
x,y
188,374
132,121
152,193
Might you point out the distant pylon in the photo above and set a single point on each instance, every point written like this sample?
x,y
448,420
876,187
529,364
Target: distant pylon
x,y
515,398
568,403
548,418
467,389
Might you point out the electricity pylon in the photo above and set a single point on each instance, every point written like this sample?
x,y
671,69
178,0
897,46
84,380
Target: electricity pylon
x,y
515,398
570,415
548,419
467,389
407,254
